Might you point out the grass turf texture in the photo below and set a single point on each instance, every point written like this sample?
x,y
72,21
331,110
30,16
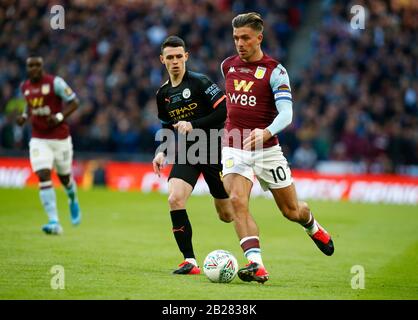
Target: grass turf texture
x,y
124,249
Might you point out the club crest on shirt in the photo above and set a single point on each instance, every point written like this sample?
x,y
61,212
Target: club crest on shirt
x,y
45,89
27,92
186,93
260,72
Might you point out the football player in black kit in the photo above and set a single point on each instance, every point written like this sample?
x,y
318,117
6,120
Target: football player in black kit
x,y
188,101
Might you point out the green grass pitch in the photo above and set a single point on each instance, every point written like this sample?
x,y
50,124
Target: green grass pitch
x,y
124,249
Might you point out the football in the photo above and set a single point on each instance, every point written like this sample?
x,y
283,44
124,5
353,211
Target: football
x,y
220,266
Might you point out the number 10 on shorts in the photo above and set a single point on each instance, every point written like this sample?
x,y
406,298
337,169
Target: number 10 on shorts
x,y
278,174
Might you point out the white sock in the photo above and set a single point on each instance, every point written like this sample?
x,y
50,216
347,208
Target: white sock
x,y
49,202
313,229
254,255
192,261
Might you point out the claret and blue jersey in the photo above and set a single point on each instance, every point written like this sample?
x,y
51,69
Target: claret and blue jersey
x,y
256,93
44,98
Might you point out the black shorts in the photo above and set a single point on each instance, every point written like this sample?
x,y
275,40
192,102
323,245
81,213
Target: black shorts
x,y
211,172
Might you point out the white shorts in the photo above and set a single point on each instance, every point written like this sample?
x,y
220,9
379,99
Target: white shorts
x,y
269,166
49,153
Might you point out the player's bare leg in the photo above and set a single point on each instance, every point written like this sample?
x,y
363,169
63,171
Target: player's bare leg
x,y
179,192
224,209
49,202
239,189
71,190
298,211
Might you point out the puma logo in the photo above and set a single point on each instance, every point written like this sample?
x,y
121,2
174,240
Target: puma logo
x,y
179,229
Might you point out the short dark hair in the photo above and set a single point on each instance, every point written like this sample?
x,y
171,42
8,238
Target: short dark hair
x,y
250,19
34,54
173,41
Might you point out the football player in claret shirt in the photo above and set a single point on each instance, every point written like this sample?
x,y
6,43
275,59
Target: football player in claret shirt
x,y
189,101
259,104
49,101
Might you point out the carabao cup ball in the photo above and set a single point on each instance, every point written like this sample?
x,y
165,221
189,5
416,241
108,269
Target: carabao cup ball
x,y
220,266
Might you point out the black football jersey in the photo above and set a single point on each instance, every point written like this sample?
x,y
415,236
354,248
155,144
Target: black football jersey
x,y
193,99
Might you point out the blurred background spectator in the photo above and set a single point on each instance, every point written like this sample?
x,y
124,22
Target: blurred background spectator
x,y
354,100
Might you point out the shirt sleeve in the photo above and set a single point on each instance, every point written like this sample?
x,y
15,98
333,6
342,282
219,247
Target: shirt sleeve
x,y
280,85
213,119
162,112
62,90
214,99
212,95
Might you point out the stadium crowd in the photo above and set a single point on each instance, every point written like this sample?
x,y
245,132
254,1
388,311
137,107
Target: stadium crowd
x,y
356,100
109,54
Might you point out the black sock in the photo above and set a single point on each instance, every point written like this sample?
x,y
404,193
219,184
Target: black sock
x,y
182,230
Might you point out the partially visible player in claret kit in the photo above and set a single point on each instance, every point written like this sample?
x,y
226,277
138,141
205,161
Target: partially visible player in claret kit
x,y
49,103
259,101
